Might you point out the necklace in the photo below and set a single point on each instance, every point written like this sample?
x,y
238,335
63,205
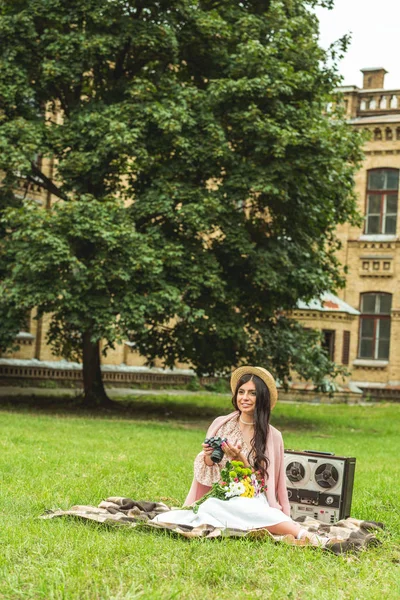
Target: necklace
x,y
245,422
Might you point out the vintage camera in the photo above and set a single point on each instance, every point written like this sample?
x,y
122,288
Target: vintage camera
x,y
319,484
215,442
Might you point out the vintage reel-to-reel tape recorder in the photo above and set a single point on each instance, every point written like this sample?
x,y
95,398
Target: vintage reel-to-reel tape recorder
x,y
319,485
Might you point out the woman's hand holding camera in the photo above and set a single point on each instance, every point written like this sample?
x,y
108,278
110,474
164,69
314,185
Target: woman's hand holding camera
x,y
234,452
208,450
231,452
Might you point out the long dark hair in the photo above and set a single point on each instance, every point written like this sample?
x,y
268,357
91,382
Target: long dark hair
x,y
262,413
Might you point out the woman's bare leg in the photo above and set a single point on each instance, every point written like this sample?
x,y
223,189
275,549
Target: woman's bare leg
x,y
292,528
285,528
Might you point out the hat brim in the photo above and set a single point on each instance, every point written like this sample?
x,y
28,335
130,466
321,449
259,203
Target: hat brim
x,y
262,374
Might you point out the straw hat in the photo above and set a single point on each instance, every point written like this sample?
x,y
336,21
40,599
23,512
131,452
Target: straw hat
x,y
262,374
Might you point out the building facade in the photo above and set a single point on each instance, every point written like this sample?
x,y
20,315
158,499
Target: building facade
x,y
369,344
361,327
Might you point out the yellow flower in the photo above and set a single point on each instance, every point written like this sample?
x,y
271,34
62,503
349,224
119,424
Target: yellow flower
x,y
249,489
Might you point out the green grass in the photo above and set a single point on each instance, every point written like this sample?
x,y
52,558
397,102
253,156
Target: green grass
x,y
53,456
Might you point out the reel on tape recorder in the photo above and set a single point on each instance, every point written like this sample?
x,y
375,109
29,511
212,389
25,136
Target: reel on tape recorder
x,y
319,484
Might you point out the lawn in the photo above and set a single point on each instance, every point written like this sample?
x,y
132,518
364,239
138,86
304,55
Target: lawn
x,y
54,456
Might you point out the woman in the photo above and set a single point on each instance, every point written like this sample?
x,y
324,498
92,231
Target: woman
x,y
252,440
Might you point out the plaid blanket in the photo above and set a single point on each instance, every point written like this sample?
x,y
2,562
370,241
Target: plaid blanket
x,y
346,535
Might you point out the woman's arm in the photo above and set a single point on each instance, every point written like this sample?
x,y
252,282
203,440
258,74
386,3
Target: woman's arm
x,y
281,489
206,473
198,489
207,451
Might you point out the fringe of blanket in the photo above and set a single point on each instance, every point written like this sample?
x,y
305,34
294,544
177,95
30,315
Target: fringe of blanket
x,y
348,535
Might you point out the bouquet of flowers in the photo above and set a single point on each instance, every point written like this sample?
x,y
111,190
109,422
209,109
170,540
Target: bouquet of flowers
x,y
236,480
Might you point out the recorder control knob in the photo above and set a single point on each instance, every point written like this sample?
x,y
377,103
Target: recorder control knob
x,y
329,500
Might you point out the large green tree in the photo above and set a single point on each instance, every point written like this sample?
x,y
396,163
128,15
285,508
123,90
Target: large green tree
x,y
197,180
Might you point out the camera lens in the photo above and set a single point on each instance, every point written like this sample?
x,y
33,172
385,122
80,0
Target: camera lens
x,y
217,455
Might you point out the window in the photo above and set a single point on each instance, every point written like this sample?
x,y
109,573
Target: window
x,y
382,194
377,134
375,326
328,342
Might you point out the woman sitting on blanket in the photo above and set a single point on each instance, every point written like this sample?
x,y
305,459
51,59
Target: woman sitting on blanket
x,y
252,440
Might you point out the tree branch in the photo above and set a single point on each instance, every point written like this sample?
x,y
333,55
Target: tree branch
x,y
45,182
119,65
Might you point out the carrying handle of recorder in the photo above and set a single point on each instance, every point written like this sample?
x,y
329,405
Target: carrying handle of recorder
x,y
319,452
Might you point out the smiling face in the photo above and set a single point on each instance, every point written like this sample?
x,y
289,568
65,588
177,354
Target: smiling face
x,y
246,398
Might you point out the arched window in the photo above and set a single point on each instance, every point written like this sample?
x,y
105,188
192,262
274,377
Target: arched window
x,y
393,102
383,102
397,133
363,105
377,134
388,133
382,193
372,104
374,339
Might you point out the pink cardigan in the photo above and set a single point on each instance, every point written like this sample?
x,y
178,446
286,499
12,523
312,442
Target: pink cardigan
x,y
276,492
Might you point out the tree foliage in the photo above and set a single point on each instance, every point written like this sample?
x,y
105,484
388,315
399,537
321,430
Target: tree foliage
x,y
198,180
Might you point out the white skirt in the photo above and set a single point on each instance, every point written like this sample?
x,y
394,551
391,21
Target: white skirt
x,y
235,513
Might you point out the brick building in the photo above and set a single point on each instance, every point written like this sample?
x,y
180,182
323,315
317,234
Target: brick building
x,y
368,342
361,328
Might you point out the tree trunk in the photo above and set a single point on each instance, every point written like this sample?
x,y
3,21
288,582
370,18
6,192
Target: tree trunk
x,y
94,392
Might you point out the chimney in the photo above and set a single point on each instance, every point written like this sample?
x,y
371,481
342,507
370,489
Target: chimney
x,y
374,78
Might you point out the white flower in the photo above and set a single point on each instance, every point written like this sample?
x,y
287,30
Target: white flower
x,y
236,488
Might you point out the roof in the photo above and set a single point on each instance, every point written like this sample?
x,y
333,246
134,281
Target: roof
x,y
373,69
327,303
